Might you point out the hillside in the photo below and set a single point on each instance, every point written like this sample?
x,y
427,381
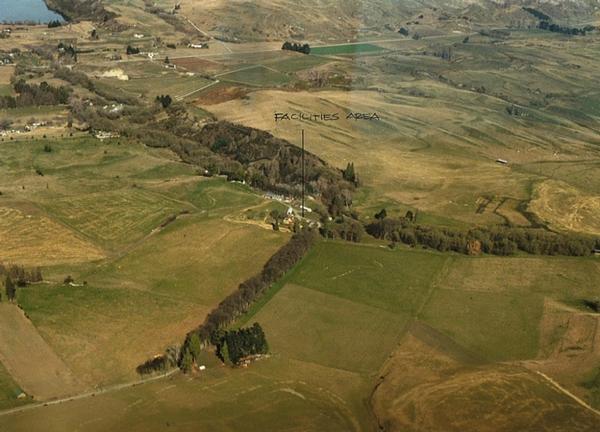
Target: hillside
x,y
327,20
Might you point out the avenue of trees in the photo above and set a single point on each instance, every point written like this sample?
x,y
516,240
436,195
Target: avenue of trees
x,y
490,240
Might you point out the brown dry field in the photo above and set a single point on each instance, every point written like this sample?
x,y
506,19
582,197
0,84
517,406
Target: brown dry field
x,y
199,65
425,386
5,73
30,360
411,156
569,346
30,238
564,207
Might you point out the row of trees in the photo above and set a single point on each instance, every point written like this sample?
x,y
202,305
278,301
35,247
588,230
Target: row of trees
x,y
35,95
20,274
237,303
344,228
292,46
491,240
574,31
233,346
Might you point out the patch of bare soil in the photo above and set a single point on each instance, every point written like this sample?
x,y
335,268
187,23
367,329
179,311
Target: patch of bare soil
x,y
220,94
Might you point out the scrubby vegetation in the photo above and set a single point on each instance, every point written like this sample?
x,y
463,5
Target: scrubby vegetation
x,y
35,95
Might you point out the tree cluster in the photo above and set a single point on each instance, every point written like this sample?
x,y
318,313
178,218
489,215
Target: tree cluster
x,y
67,50
263,161
54,23
592,304
132,50
164,100
20,275
490,240
35,95
344,228
292,46
234,346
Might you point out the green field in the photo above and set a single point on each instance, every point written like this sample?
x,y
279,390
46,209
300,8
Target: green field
x,y
9,391
349,49
298,63
5,90
259,76
151,87
96,214
331,324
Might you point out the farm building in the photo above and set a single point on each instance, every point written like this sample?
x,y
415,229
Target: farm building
x,y
502,161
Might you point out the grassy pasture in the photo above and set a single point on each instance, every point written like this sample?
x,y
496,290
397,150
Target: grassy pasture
x,y
9,390
267,397
114,217
397,282
5,90
30,360
152,86
259,76
500,326
352,49
308,325
172,280
31,238
297,63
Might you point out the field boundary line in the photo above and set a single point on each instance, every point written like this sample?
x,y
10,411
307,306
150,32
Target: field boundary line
x,y
238,70
563,390
181,97
89,394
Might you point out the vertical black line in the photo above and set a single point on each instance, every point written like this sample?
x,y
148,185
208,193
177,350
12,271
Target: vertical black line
x,y
303,175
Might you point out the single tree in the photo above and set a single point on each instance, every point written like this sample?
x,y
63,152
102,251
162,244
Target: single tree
x,y
10,288
194,346
187,361
381,215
